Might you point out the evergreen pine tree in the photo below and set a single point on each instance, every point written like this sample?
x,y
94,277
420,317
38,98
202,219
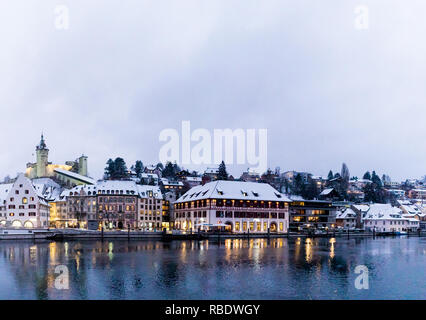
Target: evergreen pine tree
x,y
298,184
376,179
138,168
168,170
109,169
222,175
367,176
120,169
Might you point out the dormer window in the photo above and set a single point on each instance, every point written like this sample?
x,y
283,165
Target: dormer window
x,y
220,192
278,195
255,194
245,194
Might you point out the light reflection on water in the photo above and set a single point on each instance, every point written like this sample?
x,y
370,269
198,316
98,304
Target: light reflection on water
x,y
232,269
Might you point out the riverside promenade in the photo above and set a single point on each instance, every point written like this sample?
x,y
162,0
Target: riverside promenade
x,y
77,234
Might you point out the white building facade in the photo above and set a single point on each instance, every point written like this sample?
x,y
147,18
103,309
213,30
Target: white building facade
x,y
385,218
150,207
22,206
240,207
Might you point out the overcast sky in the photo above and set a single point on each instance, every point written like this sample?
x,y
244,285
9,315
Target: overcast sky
x,y
326,91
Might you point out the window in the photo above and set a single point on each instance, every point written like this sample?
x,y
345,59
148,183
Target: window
x,y
244,226
24,200
281,226
237,226
11,214
258,225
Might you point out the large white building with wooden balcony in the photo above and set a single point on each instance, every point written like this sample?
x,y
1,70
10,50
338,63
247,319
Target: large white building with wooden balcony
x,y
238,206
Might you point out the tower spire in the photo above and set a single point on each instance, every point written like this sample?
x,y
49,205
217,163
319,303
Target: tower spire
x,y
42,144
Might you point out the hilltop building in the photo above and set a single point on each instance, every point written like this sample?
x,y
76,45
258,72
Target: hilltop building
x,y
71,173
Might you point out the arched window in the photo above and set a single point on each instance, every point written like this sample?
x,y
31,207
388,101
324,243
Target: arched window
x,y
17,224
28,224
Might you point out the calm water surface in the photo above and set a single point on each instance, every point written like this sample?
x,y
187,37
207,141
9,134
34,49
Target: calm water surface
x,y
233,269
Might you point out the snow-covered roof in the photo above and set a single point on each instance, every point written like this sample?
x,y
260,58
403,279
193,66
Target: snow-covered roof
x,y
212,170
4,191
380,211
194,179
144,191
75,176
410,209
238,190
167,182
149,175
404,202
345,214
77,190
47,188
362,207
117,187
326,192
295,197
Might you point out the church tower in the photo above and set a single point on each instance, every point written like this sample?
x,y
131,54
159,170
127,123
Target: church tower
x,y
82,165
42,158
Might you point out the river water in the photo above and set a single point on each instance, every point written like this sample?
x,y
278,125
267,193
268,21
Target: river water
x,y
233,269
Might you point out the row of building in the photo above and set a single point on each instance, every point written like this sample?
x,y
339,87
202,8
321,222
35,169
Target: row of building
x,y
63,196
235,206
42,203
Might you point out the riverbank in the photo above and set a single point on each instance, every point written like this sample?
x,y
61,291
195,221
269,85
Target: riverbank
x,y
69,234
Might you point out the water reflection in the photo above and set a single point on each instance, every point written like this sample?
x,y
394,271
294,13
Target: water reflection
x,y
231,269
